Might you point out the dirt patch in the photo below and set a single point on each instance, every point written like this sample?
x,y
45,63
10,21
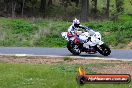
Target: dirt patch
x,y
30,60
129,46
130,43
117,69
52,60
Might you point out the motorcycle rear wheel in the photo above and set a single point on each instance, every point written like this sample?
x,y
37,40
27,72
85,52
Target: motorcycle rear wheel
x,y
73,48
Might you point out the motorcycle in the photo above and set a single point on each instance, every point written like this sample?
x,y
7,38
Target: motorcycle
x,y
93,45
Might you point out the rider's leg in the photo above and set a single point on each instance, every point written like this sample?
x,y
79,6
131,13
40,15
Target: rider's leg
x,y
78,40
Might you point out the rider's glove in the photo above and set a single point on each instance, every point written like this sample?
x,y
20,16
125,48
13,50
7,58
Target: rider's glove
x,y
88,29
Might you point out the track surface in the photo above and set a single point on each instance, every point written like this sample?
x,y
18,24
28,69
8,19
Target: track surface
x,y
116,54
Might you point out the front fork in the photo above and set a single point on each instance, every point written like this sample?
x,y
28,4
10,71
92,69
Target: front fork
x,y
101,42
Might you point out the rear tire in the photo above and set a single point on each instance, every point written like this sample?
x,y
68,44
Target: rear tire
x,y
104,50
73,48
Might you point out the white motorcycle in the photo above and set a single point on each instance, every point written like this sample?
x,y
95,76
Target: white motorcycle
x,y
93,45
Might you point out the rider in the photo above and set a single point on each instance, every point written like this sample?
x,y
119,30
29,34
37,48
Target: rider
x,y
73,27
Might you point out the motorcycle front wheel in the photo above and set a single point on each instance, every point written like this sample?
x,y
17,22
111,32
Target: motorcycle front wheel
x,y
104,50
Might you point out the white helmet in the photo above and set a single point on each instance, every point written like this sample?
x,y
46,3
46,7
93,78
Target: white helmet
x,y
76,22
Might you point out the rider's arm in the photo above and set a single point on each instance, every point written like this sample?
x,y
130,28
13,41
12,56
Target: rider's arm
x,y
91,32
85,28
80,26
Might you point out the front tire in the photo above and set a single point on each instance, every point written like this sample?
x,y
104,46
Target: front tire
x,y
73,48
104,50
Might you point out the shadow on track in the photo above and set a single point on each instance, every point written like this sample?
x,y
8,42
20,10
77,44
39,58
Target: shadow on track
x,y
90,55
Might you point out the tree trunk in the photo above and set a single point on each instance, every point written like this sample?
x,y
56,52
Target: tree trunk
x,y
13,8
107,8
42,7
119,6
84,10
5,4
7,7
49,2
23,3
76,1
94,8
88,7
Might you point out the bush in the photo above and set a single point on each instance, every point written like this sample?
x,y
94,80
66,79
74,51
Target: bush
x,y
47,33
18,26
23,27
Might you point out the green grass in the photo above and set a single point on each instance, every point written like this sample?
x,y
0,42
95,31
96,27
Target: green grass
x,y
45,76
47,33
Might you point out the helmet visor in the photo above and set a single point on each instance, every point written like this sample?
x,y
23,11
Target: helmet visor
x,y
76,25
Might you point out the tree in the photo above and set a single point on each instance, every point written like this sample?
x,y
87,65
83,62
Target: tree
x,y
65,4
33,5
1,4
118,10
88,6
107,8
50,2
13,4
119,6
43,7
94,8
84,10
23,4
76,1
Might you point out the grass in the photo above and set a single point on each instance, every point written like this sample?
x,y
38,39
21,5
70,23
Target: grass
x,y
47,33
45,76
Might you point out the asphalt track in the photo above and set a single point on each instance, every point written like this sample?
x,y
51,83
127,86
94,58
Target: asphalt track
x,y
115,54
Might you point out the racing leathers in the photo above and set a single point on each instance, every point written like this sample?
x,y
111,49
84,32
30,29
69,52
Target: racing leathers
x,y
77,40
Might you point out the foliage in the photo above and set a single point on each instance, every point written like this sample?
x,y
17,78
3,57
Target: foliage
x,y
21,26
119,5
63,9
47,33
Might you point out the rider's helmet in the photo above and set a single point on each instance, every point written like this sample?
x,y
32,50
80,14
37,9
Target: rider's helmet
x,y
76,22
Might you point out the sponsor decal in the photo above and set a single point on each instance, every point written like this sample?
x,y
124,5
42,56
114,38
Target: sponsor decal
x,y
83,78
